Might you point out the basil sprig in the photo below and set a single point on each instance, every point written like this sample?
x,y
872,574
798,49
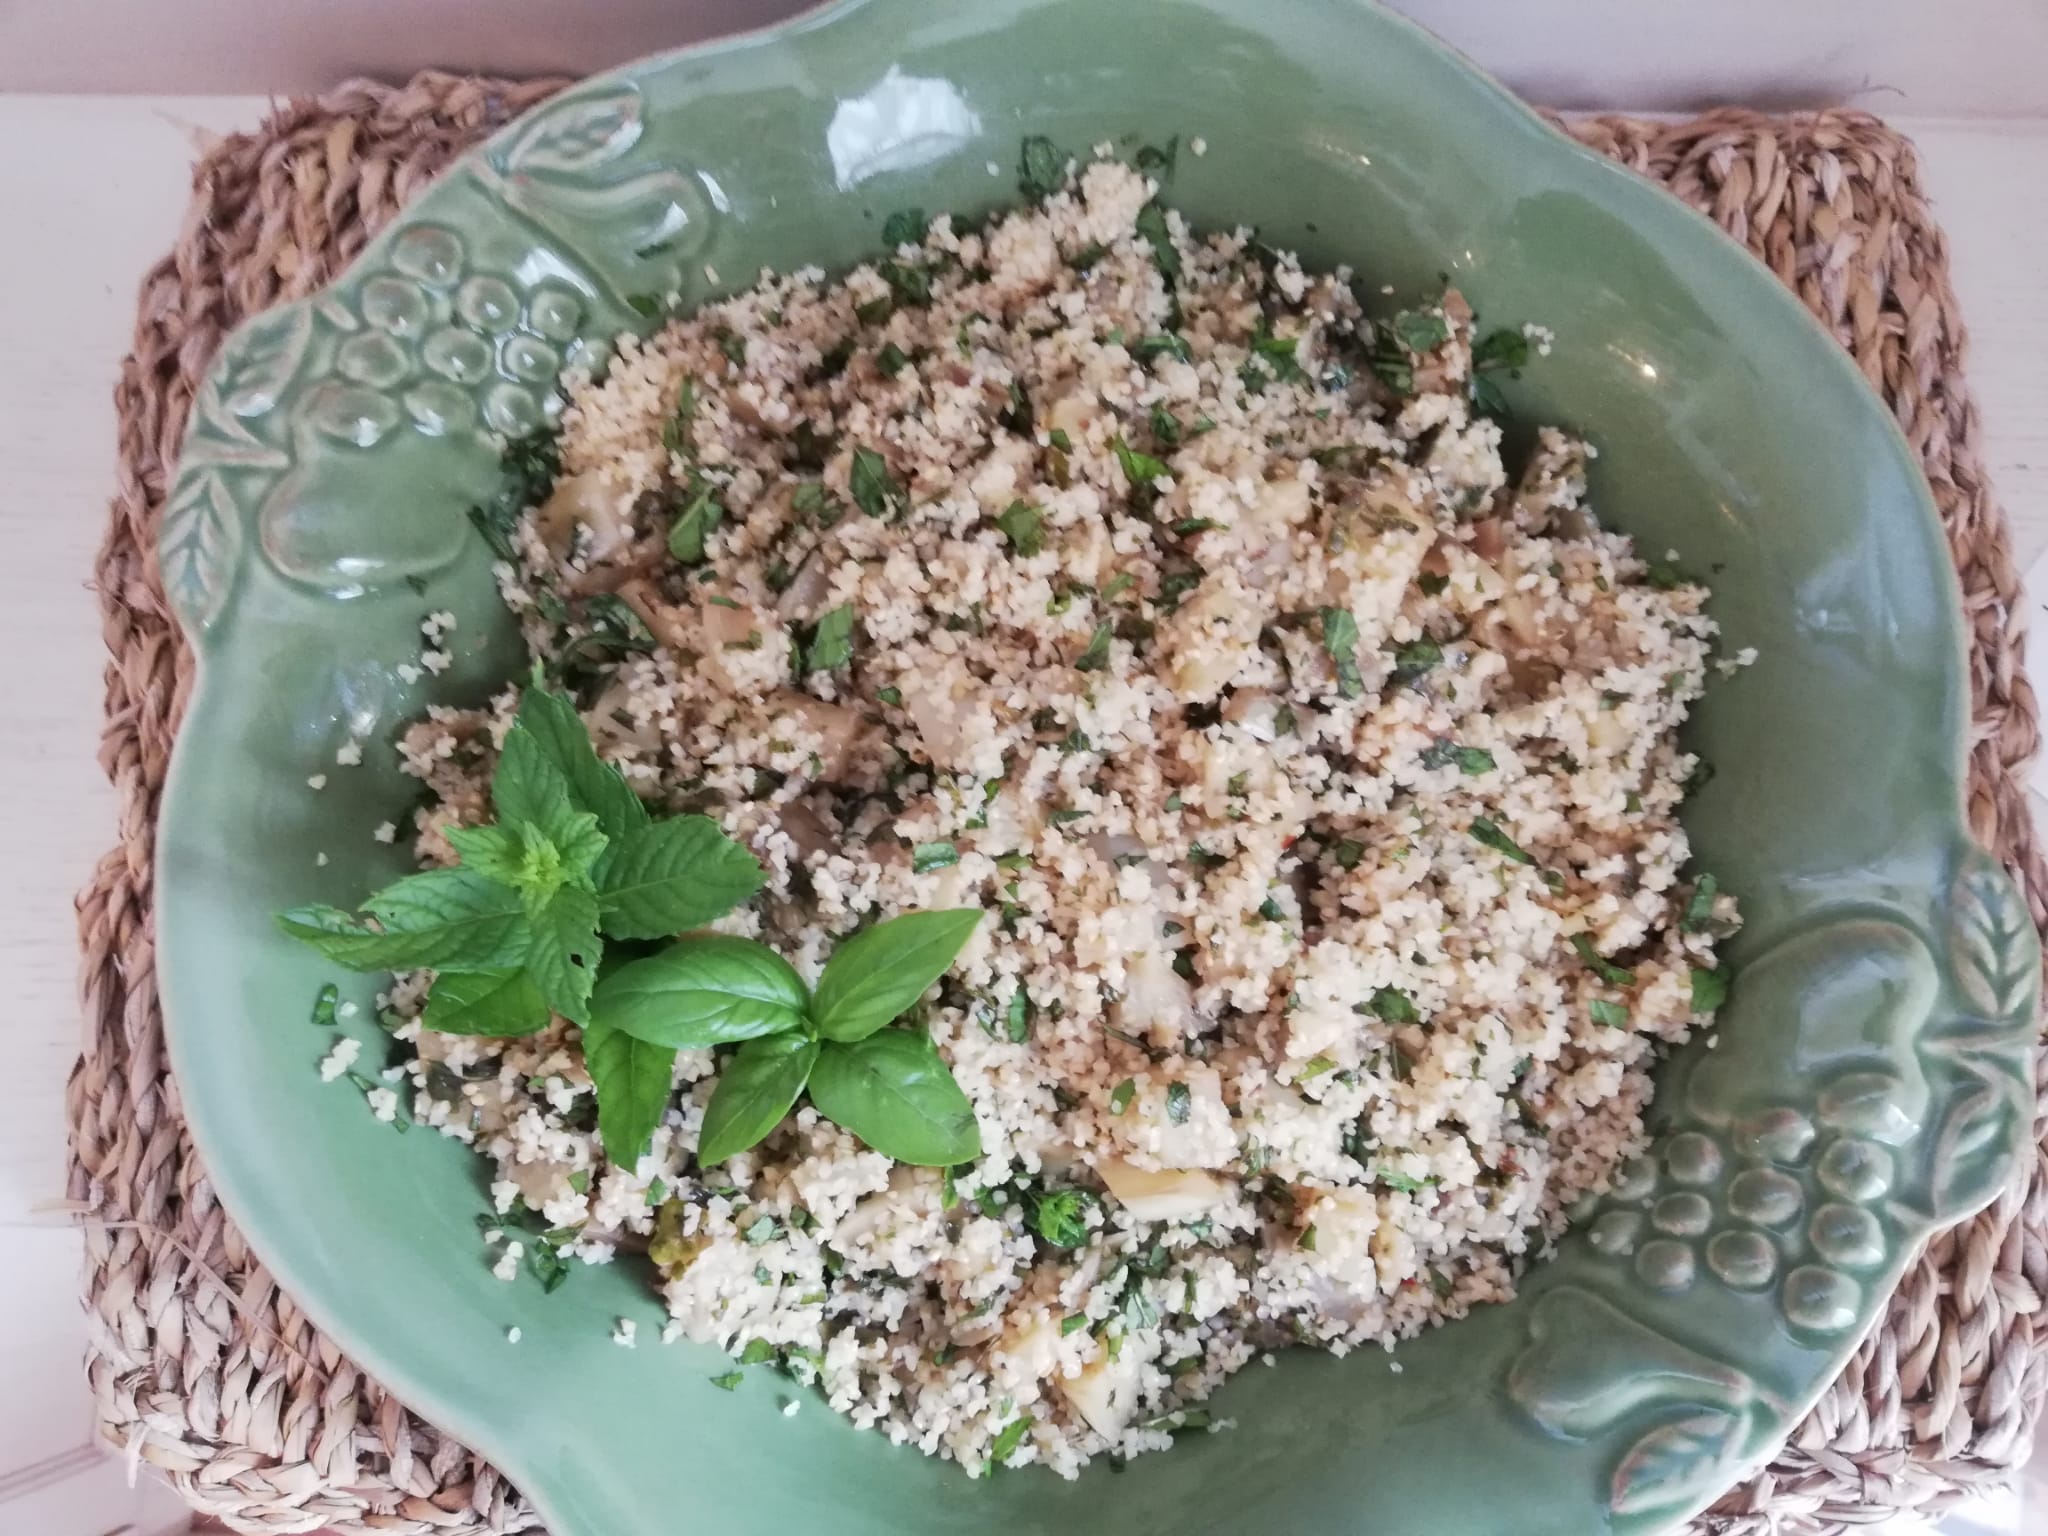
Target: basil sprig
x,y
890,1087
515,933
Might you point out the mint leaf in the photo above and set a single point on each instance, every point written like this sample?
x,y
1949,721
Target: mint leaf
x,y
1699,906
1041,168
875,975
1709,990
1394,1006
756,1089
698,512
671,877
524,857
561,960
874,490
1484,830
906,226
634,1081
710,990
1340,644
1139,468
1024,526
452,918
594,785
1096,655
1608,1013
497,1003
832,641
1614,975
894,1092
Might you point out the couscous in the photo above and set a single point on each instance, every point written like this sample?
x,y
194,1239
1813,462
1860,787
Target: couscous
x,y
1306,775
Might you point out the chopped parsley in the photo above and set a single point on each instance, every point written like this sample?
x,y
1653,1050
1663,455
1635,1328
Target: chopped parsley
x,y
1394,1006
1140,469
1061,1216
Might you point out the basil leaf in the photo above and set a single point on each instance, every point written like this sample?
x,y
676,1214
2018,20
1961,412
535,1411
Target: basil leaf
x,y
894,1092
594,784
493,1003
634,1080
755,1090
832,641
712,990
442,917
673,876
876,974
562,957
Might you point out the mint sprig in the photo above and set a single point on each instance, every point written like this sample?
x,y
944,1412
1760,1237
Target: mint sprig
x,y
516,933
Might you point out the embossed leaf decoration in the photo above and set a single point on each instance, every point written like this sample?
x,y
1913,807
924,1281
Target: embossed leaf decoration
x,y
1572,1388
1981,1134
575,133
202,534
1677,1463
1992,949
265,354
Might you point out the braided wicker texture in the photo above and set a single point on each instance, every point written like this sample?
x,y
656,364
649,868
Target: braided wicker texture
x,y
204,1369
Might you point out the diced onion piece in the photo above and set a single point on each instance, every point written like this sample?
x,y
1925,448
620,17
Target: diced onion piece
x,y
1154,1194
1104,1393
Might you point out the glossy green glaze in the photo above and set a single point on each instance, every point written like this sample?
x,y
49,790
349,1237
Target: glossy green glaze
x,y
1870,1080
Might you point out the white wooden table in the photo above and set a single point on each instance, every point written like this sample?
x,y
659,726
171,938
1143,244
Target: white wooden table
x,y
93,190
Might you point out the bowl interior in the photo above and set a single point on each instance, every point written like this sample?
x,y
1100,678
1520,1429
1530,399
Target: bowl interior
x,y
1730,429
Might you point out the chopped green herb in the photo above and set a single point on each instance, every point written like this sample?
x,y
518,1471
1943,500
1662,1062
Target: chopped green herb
x,y
1140,469
1096,656
1271,911
1061,1218
1394,1006
875,490
1152,229
908,285
1121,1095
891,360
1608,1013
1162,344
1340,643
906,226
1064,815
758,1352
325,1005
1315,1066
1041,167
890,695
1178,1103
926,857
1484,831
728,1381
1614,975
1709,990
1421,330
1118,584
1006,1442
1347,853
697,515
1073,1324
1415,658
1504,348
1699,907
1431,584
1024,526
1017,1017
1058,438
1308,1237
832,641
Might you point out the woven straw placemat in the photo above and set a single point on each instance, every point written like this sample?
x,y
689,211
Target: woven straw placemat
x,y
204,1369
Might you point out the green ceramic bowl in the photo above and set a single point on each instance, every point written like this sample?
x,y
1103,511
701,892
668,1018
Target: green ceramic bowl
x,y
1869,1083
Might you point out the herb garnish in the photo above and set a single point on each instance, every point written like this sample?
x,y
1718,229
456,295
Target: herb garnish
x,y
1340,643
1024,526
875,490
